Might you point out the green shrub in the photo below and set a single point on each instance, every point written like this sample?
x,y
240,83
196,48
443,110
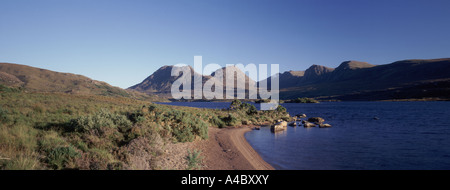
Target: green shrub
x,y
281,109
98,121
182,125
249,109
3,115
194,159
230,120
137,117
4,88
217,122
142,130
60,156
184,134
235,104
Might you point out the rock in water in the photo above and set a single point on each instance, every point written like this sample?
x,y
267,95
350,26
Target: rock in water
x,y
292,123
308,125
301,115
326,125
282,123
317,120
276,128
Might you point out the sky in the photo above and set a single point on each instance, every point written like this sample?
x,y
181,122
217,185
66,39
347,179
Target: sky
x,y
122,42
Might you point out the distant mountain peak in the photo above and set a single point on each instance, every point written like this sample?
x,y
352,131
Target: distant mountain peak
x,y
317,70
238,71
161,80
294,73
353,65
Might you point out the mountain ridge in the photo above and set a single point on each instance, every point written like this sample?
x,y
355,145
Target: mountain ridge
x,y
352,77
36,79
413,78
159,77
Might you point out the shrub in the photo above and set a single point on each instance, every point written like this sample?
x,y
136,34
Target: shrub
x,y
281,109
137,117
250,109
60,156
235,104
184,134
3,115
182,125
216,121
98,121
142,130
4,88
230,120
194,159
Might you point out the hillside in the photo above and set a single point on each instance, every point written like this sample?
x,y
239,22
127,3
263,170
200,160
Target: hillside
x,y
41,80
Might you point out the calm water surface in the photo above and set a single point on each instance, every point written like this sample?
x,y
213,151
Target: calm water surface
x,y
407,135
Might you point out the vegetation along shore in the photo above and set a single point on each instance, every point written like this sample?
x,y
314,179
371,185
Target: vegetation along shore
x,y
69,131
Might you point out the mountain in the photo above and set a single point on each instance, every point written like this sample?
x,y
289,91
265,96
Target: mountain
x,y
160,81
42,80
315,72
238,76
353,79
286,79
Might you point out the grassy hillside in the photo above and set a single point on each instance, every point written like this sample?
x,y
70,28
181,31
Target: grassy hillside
x,y
69,131
42,80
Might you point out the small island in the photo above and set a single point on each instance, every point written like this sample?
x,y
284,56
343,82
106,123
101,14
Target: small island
x,y
302,100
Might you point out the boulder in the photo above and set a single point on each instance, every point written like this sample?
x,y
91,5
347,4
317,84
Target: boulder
x,y
317,120
326,125
308,125
292,123
294,118
301,115
276,128
282,123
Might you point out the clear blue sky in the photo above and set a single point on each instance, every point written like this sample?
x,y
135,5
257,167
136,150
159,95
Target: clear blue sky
x,y
123,42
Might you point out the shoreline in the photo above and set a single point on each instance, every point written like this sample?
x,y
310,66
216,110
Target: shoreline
x,y
227,149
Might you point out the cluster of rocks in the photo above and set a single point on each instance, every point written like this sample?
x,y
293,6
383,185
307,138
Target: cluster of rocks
x,y
299,120
279,126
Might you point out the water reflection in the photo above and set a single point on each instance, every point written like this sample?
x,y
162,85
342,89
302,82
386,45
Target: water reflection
x,y
280,134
